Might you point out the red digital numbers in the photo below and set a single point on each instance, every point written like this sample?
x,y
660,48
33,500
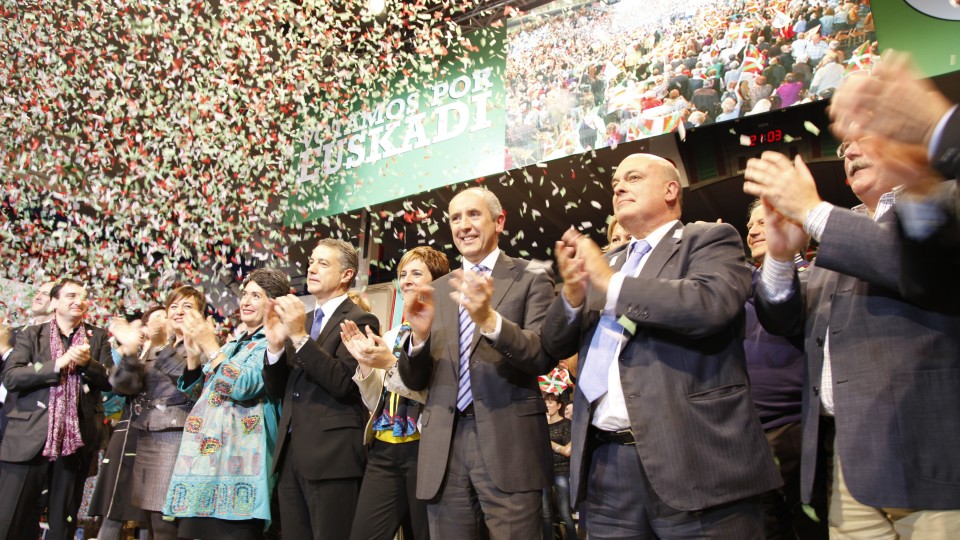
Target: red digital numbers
x,y
772,136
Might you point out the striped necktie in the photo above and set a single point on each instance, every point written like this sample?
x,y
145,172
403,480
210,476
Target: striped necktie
x,y
467,327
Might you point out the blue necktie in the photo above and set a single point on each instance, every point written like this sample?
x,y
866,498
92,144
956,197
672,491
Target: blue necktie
x,y
467,326
608,335
317,323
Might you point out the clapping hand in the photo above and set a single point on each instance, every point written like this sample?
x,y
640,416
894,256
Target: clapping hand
x,y
127,335
571,268
199,337
473,291
79,355
420,310
369,349
287,319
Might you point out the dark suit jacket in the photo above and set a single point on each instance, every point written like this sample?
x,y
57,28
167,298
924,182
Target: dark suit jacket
x,y
8,404
321,403
683,371
946,155
895,369
27,420
928,275
510,411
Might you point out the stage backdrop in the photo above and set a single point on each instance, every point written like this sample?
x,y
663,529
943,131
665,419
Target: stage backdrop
x,y
566,80
436,126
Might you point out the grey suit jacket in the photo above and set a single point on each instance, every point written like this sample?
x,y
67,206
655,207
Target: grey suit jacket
x,y
510,412
683,371
895,369
30,374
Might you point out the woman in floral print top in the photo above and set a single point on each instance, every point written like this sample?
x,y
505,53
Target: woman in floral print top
x,y
221,484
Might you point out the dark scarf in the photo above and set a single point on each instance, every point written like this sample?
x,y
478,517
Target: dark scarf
x,y
63,422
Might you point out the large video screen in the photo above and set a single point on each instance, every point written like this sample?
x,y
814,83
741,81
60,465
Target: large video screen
x,y
593,75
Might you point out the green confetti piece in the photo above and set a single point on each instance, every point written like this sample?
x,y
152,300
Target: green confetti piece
x,y
811,513
627,324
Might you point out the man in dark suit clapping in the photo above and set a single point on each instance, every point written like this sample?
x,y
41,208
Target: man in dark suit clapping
x,y
666,442
319,455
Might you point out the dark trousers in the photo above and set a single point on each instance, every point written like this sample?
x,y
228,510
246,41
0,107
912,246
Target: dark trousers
x,y
470,501
621,504
21,485
316,509
389,494
783,513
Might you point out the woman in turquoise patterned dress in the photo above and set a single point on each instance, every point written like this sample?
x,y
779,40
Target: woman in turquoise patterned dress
x,y
221,483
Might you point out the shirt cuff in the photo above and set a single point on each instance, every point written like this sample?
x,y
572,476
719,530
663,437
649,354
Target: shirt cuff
x,y
570,311
273,358
938,133
816,220
413,350
492,336
613,291
776,279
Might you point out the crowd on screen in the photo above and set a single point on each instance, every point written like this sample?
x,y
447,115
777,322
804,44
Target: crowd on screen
x,y
599,75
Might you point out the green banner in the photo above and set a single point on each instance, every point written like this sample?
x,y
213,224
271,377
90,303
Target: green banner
x,y
927,29
436,131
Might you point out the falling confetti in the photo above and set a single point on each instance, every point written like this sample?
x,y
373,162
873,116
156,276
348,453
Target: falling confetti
x,y
146,144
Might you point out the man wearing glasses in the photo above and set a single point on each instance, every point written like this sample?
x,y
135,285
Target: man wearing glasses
x,y
882,386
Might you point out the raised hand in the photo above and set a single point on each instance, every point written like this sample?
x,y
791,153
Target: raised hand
x,y
896,103
78,355
784,237
369,349
419,311
473,291
908,163
571,268
785,185
200,332
127,335
596,267
286,320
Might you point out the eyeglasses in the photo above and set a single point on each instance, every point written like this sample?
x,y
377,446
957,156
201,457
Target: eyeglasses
x,y
845,146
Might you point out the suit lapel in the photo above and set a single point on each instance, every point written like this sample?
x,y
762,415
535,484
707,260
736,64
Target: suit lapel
x,y
333,324
44,345
665,249
308,326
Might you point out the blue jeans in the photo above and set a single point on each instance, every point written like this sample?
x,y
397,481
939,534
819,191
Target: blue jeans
x,y
561,487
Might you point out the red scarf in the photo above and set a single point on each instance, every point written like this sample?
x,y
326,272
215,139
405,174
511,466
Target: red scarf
x,y
63,423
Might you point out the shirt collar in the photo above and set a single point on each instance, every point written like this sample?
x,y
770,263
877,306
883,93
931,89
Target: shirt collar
x,y
488,261
331,305
886,202
657,235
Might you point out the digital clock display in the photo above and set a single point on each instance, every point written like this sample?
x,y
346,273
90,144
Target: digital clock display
x,y
765,137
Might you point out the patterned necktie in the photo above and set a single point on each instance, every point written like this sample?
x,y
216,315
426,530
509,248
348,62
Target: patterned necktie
x,y
317,323
608,335
467,326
